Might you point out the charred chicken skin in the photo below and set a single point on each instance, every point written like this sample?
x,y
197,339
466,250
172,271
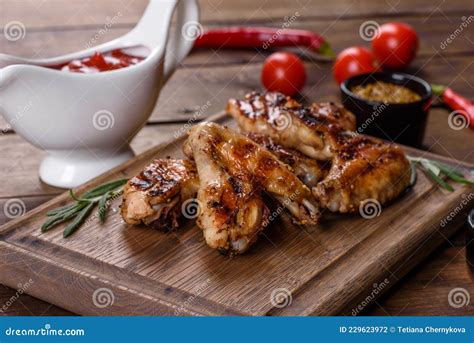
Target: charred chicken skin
x,y
361,167
155,196
290,124
308,170
233,171
304,157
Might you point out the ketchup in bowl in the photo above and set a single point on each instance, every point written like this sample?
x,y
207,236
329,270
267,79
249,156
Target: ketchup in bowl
x,y
100,62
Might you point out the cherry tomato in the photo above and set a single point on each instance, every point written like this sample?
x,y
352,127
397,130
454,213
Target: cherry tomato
x,y
395,45
352,61
283,72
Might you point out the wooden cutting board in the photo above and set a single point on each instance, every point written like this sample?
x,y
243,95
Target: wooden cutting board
x,y
336,267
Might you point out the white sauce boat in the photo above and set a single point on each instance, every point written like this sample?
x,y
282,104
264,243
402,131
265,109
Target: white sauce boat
x,y
85,121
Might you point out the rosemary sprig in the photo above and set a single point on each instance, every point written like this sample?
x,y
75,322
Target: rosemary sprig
x,y
83,206
103,205
438,171
78,220
413,175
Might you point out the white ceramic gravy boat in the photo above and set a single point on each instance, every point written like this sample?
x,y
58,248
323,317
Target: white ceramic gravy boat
x,y
86,121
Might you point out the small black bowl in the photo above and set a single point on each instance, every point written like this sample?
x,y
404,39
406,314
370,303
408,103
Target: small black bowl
x,y
402,123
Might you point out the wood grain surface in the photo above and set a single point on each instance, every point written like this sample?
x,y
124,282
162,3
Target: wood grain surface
x,y
79,13
52,27
207,73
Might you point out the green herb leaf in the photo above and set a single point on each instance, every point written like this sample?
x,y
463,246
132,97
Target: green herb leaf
x,y
62,217
59,210
102,189
103,204
447,168
49,224
460,179
78,221
437,170
430,166
413,175
82,208
75,197
454,174
439,180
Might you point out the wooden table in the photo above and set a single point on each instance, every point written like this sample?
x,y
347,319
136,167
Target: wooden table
x,y
54,27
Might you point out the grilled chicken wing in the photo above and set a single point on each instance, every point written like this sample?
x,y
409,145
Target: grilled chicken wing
x,y
287,146
233,171
232,212
363,168
289,123
308,170
154,197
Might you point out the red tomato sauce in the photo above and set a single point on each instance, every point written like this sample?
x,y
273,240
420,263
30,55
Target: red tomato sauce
x,y
100,62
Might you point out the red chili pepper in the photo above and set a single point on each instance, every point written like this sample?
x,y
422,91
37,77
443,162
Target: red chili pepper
x,y
263,38
456,102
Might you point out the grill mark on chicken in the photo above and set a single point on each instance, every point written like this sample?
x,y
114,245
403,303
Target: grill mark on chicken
x,y
290,123
361,167
233,172
158,178
272,104
155,195
308,170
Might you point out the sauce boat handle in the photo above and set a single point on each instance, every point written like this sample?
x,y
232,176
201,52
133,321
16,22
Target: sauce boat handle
x,y
181,40
153,30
